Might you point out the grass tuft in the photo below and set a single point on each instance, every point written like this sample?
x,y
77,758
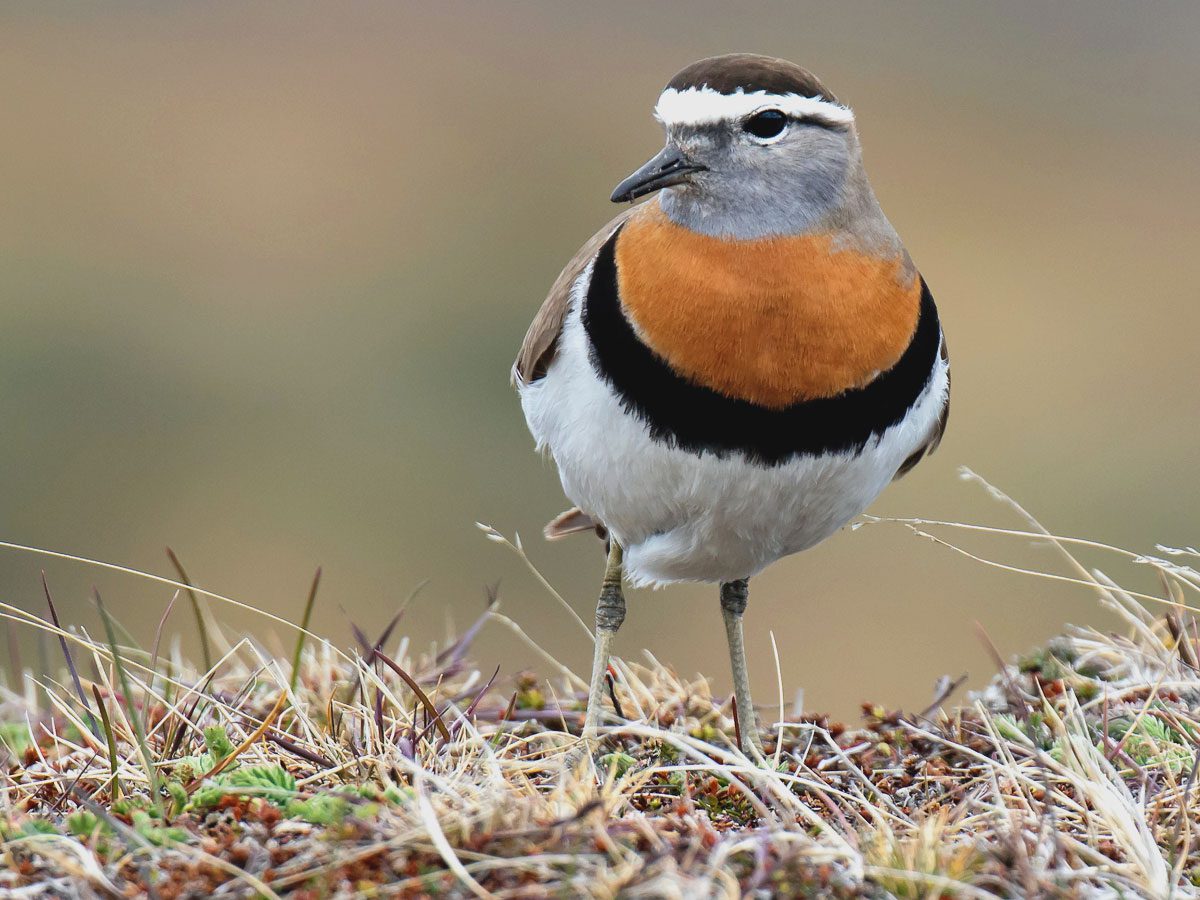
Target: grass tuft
x,y
1072,773
131,711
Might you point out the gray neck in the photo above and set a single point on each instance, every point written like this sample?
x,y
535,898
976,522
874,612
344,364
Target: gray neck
x,y
828,201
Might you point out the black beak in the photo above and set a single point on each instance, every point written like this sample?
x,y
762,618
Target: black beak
x,y
668,168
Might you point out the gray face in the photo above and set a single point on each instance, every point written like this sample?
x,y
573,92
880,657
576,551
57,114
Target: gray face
x,y
755,186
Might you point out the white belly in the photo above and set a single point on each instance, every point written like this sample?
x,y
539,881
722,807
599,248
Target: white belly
x,y
683,516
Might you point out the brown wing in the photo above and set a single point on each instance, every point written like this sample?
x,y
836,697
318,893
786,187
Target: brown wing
x,y
541,340
935,436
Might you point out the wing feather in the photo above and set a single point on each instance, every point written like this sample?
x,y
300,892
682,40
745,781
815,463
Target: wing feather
x,y
541,340
935,435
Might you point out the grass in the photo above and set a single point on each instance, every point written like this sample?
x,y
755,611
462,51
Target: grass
x,y
379,771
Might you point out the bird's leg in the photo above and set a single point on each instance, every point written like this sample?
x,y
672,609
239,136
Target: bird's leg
x,y
734,595
610,613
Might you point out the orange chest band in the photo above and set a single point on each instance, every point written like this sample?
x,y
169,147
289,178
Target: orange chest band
x,y
773,321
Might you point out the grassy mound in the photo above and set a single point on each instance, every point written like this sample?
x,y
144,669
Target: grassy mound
x,y
376,772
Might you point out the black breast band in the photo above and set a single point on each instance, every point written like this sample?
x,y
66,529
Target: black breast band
x,y
699,419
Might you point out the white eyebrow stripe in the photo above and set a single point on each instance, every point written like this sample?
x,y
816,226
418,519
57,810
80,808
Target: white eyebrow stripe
x,y
703,105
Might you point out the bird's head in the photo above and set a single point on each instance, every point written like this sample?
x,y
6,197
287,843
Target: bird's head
x,y
756,146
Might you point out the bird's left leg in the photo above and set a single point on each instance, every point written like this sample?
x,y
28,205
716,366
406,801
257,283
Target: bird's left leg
x,y
734,595
610,613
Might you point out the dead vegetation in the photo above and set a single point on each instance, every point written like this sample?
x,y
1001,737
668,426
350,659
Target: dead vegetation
x,y
378,771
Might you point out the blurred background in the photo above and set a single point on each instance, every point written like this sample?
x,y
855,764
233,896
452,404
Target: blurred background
x,y
264,268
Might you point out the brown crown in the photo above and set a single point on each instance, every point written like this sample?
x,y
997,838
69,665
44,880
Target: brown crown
x,y
750,72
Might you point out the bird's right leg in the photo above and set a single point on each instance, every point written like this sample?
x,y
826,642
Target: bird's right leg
x,y
610,613
734,595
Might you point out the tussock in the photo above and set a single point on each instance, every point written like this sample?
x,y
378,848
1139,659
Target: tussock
x,y
378,771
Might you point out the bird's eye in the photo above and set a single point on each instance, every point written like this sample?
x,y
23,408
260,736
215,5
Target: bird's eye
x,y
766,124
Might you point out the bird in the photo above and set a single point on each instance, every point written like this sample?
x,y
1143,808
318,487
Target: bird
x,y
732,370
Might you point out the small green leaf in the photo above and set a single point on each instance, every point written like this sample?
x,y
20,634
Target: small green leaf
x,y
16,736
323,809
179,797
130,805
270,781
84,823
398,796
218,743
159,835
619,763
31,827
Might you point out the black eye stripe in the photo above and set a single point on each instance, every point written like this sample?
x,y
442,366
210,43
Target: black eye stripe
x,y
774,115
821,122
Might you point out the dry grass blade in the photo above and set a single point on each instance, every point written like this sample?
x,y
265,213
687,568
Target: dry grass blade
x,y
434,715
197,609
516,547
113,757
298,654
135,720
62,641
158,632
